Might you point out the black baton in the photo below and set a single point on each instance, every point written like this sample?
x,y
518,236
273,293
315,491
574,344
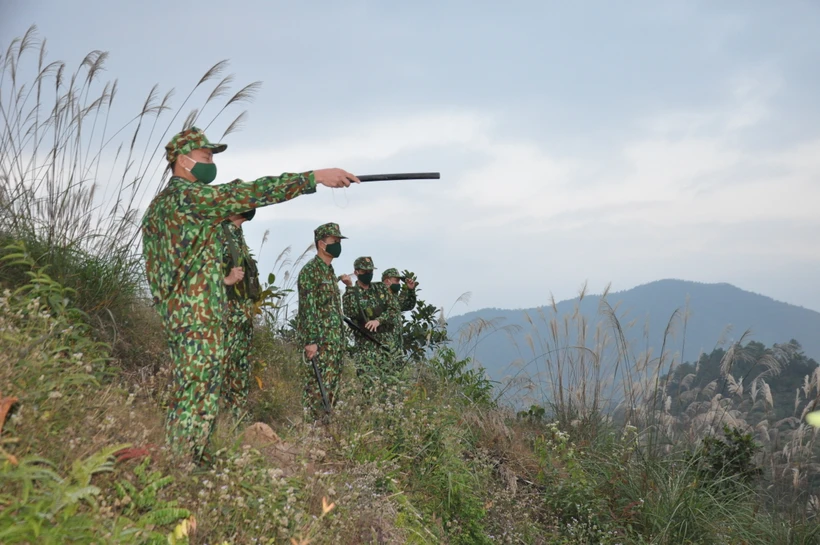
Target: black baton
x,y
402,176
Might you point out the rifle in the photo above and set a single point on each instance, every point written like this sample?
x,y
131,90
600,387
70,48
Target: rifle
x,y
402,176
322,391
231,245
251,280
364,332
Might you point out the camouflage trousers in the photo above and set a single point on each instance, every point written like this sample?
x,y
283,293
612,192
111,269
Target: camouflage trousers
x,y
197,358
329,360
237,369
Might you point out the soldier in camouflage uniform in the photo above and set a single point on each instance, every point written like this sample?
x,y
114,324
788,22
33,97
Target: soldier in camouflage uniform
x,y
183,258
406,297
243,289
319,325
373,308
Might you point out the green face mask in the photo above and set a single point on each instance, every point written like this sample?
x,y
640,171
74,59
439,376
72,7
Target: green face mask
x,y
365,278
204,172
395,288
334,249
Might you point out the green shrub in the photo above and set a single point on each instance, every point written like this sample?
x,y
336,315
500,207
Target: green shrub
x,y
721,463
471,385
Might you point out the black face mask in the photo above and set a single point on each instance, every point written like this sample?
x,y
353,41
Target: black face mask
x,y
335,249
365,278
395,288
249,214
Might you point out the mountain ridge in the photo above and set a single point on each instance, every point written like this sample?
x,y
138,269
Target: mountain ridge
x,y
713,310
645,284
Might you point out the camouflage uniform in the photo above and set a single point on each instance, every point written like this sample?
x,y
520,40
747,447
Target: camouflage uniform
x,y
183,258
319,322
239,325
373,303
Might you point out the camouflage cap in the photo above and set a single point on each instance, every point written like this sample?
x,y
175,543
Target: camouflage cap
x,y
327,230
364,264
391,273
187,141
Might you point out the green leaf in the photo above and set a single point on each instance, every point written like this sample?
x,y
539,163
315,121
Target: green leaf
x,y
161,517
85,492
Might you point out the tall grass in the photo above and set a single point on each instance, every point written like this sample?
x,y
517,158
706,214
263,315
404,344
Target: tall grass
x,y
73,180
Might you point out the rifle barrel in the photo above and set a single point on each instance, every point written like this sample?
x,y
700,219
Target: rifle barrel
x,y
401,176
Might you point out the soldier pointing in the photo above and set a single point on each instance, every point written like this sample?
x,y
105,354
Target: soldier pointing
x,y
183,264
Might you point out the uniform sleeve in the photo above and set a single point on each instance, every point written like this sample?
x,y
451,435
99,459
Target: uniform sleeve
x,y
221,201
308,313
407,299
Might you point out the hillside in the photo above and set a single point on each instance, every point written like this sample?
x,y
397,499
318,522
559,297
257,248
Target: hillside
x,y
712,308
432,460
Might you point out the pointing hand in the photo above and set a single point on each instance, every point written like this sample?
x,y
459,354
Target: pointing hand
x,y
334,177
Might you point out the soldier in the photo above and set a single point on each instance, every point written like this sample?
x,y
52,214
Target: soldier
x,y
407,296
319,325
243,289
183,261
373,308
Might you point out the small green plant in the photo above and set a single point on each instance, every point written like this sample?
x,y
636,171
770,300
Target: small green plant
x,y
472,384
535,413
141,499
269,298
423,332
728,461
41,505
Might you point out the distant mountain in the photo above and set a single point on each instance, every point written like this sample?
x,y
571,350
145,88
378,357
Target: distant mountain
x,y
711,309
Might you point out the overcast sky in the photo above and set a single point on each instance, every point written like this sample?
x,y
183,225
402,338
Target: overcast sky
x,y
617,142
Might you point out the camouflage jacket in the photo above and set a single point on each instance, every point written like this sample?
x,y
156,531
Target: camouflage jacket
x,y
373,303
319,318
248,289
181,245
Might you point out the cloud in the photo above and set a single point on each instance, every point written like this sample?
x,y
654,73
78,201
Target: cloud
x,y
368,142
681,187
680,169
